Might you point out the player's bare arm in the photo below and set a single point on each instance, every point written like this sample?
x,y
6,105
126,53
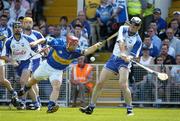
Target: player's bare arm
x,y
39,41
93,48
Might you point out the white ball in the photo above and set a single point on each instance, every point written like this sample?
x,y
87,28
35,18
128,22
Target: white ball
x,y
92,59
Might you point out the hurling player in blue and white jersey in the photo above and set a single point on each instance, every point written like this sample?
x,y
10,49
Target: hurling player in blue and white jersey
x,y
36,36
3,81
18,51
128,45
60,56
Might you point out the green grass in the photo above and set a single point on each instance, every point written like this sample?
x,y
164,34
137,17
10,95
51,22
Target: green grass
x,y
100,114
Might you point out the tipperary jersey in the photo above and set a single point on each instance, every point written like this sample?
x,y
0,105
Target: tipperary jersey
x,y
133,43
59,57
19,50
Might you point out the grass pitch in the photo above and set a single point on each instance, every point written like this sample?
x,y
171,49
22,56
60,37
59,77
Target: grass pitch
x,y
100,114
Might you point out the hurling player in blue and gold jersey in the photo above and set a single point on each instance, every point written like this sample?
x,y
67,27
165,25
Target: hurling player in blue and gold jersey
x,y
60,56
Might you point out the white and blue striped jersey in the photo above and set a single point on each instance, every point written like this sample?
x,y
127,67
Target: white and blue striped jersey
x,y
19,50
133,43
35,35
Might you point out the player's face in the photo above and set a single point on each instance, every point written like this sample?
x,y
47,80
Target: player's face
x,y
17,29
27,25
71,47
134,28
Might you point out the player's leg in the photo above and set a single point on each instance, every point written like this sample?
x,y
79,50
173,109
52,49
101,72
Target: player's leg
x,y
56,81
55,90
25,75
4,81
52,106
123,80
40,74
28,86
104,76
35,64
7,84
36,90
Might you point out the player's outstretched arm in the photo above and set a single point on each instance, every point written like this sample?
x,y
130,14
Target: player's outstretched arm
x,y
93,48
39,41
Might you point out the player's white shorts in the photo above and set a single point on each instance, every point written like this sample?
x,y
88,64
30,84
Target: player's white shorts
x,y
45,71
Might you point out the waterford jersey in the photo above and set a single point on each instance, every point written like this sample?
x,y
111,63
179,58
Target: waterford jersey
x,y
133,43
19,50
58,57
35,35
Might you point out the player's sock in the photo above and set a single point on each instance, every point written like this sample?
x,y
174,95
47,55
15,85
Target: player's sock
x,y
92,105
88,109
39,100
51,103
13,93
36,105
23,100
22,104
23,90
14,98
129,110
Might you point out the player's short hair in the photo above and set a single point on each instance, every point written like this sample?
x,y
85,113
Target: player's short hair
x,y
27,19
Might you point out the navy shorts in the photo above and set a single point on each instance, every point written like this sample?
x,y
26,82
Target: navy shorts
x,y
35,64
115,63
22,65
